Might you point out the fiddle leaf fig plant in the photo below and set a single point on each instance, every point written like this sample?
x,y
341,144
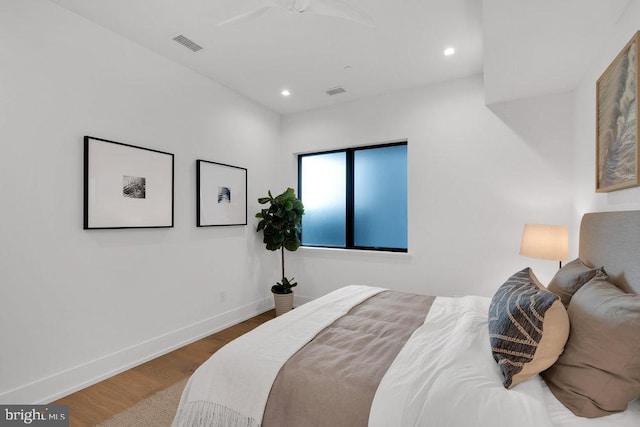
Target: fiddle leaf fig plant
x,y
280,224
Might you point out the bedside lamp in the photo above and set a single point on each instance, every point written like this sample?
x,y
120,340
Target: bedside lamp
x,y
545,242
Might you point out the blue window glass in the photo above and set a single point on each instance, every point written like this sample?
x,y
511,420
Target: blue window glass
x,y
355,198
380,197
323,193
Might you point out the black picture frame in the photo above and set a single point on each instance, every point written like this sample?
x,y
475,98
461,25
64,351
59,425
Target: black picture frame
x,y
221,194
127,186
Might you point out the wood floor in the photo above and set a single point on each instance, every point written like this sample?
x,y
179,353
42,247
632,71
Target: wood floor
x,y
98,402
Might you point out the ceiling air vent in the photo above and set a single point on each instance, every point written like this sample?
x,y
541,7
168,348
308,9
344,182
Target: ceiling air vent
x,y
335,91
189,44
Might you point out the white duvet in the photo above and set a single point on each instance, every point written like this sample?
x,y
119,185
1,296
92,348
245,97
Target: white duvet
x,y
445,376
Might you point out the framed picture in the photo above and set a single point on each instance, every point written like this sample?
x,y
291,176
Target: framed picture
x,y
222,194
126,186
617,154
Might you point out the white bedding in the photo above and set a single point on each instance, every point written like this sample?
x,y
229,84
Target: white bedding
x,y
445,374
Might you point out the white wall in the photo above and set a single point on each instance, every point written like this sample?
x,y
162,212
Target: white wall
x,y
476,176
586,199
74,304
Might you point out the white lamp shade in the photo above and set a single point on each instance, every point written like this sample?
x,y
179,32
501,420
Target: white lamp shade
x,y
545,242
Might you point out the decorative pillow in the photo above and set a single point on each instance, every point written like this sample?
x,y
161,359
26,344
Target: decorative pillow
x,y
528,327
570,278
599,372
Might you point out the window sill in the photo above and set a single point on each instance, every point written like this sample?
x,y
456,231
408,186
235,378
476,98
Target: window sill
x,y
355,252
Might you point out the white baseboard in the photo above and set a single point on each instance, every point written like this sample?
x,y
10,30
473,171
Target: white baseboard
x,y
56,386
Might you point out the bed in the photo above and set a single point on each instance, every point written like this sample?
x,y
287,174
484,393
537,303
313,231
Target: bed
x,y
370,356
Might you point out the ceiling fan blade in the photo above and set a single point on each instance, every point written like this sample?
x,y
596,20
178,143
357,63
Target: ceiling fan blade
x,y
338,9
252,14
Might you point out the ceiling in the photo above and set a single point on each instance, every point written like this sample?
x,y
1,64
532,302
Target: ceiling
x,y
524,47
536,47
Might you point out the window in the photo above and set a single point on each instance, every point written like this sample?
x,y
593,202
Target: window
x,y
355,198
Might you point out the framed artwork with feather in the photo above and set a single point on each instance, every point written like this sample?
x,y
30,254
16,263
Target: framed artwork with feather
x,y
617,155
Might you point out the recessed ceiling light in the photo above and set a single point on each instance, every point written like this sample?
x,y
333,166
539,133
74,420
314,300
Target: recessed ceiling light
x,y
285,93
449,51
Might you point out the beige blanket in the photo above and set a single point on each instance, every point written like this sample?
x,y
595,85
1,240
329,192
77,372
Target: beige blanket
x,y
232,387
332,380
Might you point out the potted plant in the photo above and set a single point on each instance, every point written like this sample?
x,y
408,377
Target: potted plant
x,y
280,223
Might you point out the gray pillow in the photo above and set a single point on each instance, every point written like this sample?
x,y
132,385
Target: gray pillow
x,y
599,371
528,328
570,278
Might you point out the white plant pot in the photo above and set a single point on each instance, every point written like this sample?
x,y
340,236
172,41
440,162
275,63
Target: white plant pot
x,y
284,303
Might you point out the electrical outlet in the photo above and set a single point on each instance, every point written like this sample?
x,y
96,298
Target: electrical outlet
x,y
222,296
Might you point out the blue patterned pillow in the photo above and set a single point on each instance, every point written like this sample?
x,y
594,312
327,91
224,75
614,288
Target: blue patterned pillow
x,y
528,327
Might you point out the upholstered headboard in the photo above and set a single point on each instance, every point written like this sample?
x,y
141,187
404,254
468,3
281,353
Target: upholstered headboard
x,y
612,240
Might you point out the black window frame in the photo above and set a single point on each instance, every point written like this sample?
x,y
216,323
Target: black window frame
x,y
349,202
